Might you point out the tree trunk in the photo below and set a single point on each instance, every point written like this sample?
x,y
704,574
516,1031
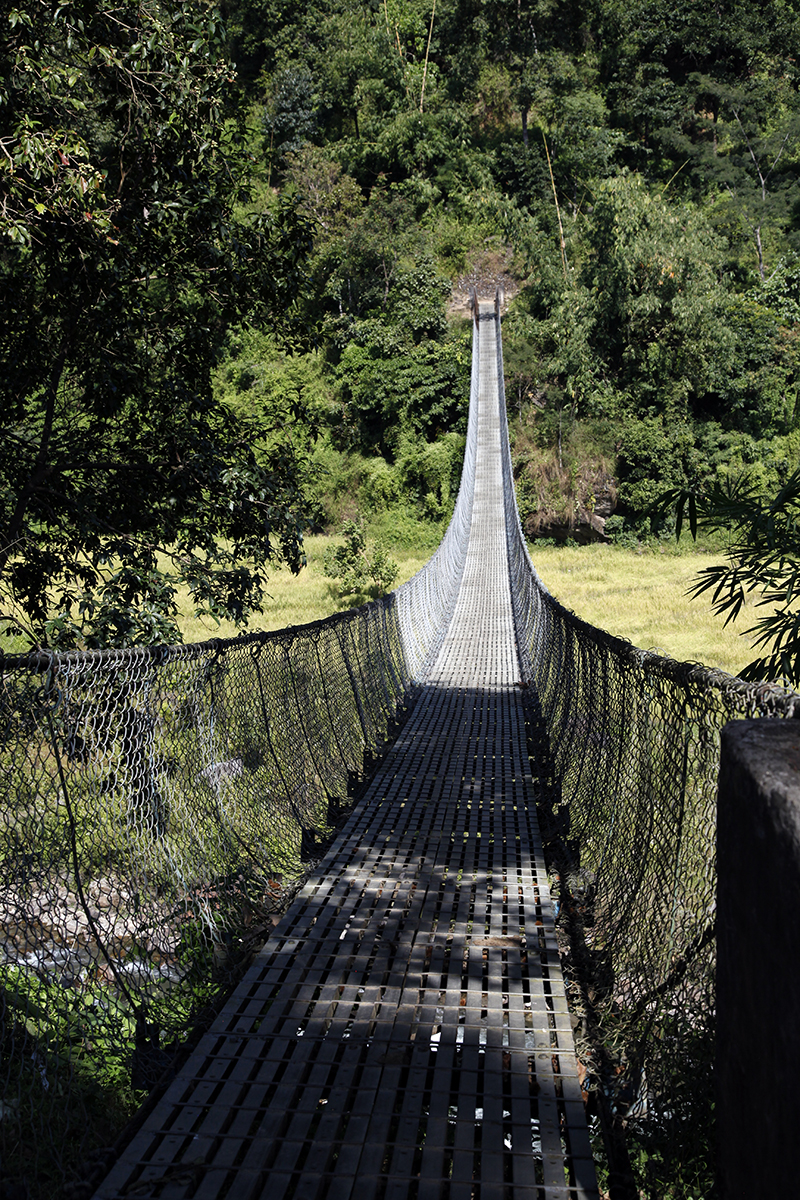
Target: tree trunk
x,y
759,249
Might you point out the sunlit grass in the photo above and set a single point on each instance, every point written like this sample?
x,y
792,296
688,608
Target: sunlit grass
x,y
641,595
295,599
638,595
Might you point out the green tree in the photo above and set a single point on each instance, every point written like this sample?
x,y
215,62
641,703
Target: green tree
x,y
740,142
650,49
328,197
397,370
758,386
289,119
359,565
653,272
762,559
123,267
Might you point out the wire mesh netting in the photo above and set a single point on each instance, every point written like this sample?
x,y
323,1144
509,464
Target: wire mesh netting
x,y
626,746
158,808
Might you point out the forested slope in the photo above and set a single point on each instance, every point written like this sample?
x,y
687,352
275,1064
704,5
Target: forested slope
x,y
631,165
264,230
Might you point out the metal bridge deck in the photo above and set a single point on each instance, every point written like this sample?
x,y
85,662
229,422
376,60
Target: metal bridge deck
x,y
404,1033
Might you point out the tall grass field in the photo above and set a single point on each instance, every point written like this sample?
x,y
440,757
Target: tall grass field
x,y
639,594
297,599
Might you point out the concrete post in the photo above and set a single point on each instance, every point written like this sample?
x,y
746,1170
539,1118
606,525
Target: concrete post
x,y
758,967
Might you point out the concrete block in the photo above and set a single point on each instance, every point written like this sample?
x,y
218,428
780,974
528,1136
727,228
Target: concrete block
x,y
758,966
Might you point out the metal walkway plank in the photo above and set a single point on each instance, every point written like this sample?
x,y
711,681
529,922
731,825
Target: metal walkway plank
x,y
404,1033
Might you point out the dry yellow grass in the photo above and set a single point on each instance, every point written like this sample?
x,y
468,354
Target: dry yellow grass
x,y
641,596
293,599
637,595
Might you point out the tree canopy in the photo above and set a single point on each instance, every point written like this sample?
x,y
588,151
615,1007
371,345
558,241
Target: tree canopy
x,y
125,263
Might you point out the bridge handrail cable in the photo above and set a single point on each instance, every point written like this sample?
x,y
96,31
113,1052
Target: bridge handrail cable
x,y
159,805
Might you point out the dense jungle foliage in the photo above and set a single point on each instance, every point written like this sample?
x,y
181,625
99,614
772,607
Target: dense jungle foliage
x,y
628,168
238,250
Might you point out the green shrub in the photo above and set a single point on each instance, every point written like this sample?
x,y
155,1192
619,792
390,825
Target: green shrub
x,y
380,486
360,565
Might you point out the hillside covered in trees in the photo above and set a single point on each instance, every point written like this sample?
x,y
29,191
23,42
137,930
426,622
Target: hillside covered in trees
x,y
630,168
239,247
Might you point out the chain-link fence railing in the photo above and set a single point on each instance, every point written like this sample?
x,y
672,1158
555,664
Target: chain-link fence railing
x,y
158,807
627,748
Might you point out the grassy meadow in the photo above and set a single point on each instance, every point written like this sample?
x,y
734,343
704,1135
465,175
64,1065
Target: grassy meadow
x,y
636,594
641,595
296,599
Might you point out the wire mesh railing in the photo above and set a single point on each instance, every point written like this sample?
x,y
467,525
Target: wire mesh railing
x,y
626,745
159,806
158,809
425,604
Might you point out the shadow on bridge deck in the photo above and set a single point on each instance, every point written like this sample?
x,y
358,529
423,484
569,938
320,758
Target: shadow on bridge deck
x,y
404,1033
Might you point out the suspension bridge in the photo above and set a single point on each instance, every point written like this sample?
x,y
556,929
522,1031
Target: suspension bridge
x,y
405,1029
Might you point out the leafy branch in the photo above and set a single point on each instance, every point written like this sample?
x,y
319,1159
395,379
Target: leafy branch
x,y
763,558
